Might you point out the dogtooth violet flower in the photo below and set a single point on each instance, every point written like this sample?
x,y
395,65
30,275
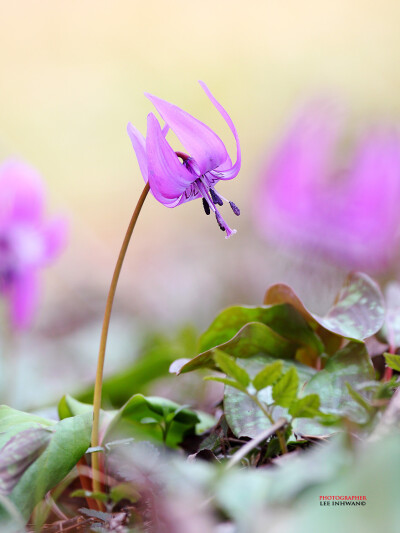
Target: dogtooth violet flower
x,y
178,177
27,241
345,208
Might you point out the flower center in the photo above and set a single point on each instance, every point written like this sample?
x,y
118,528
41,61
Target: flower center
x,y
211,199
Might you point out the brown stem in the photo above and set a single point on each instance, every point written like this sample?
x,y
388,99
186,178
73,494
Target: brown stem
x,y
103,340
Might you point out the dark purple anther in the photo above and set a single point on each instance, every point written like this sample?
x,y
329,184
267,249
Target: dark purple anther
x,y
220,221
235,208
215,198
206,207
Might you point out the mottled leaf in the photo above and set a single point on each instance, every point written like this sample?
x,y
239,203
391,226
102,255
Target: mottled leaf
x,y
69,441
19,453
358,311
350,365
390,332
242,414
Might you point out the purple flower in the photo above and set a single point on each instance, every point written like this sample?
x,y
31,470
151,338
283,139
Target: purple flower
x,y
27,241
348,212
176,177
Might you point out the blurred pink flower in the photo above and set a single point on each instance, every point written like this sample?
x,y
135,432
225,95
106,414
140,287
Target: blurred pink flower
x,y
307,200
27,241
176,177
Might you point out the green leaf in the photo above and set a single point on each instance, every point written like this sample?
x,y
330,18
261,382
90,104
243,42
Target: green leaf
x,y
68,443
268,375
127,421
284,392
358,311
225,381
69,406
282,319
306,407
352,364
278,330
227,364
251,339
392,361
244,417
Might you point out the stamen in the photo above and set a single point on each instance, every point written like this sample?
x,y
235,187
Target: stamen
x,y
220,221
206,206
235,208
215,198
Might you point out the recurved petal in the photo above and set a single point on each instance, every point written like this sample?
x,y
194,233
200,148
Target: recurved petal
x,y
198,139
226,174
139,145
168,177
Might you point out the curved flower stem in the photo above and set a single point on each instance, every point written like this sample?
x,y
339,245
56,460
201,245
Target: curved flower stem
x,y
103,340
279,432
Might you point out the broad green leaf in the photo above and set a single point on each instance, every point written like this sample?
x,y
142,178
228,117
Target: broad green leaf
x,y
283,319
284,392
305,407
250,340
68,443
226,381
392,361
358,311
277,330
242,414
127,421
268,375
227,364
352,364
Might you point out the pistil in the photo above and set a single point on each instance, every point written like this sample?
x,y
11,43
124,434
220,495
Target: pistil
x,y
208,199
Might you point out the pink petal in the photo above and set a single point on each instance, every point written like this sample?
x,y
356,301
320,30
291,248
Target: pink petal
x,y
23,192
23,299
139,145
168,177
198,139
233,171
55,235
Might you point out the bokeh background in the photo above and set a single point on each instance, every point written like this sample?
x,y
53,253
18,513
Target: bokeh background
x,y
73,74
